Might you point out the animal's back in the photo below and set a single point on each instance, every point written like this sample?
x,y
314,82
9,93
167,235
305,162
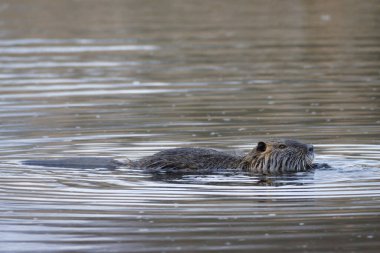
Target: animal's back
x,y
189,160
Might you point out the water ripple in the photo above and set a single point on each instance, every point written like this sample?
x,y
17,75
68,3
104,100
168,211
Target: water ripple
x,y
75,49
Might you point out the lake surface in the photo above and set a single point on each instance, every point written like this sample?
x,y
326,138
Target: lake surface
x,y
128,78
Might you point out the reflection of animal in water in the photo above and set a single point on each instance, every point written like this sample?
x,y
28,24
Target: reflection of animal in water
x,y
235,178
268,157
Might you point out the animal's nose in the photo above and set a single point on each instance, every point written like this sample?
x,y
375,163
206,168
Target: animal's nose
x,y
310,148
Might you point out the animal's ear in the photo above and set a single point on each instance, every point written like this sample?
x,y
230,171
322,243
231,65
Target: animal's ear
x,y
261,146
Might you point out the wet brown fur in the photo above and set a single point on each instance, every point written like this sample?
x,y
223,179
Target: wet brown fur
x,y
269,157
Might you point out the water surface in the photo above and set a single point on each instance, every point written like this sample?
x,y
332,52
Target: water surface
x,y
129,78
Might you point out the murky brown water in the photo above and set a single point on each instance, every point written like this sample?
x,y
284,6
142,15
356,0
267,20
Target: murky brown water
x,y
128,78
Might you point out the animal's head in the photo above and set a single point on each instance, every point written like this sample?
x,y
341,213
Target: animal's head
x,y
278,156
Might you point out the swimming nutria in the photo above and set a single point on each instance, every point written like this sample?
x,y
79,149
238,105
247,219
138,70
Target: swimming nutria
x,y
268,157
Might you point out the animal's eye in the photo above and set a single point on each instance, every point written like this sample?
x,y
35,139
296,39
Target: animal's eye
x,y
282,146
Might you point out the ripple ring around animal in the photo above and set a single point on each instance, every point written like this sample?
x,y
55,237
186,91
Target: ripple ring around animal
x,y
267,157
